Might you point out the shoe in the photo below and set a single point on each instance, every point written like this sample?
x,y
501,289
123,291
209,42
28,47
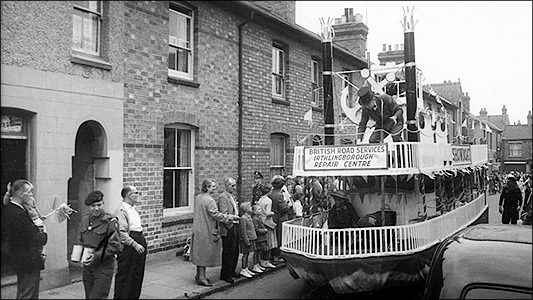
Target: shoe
x,y
251,272
256,269
202,282
235,275
261,267
245,273
228,279
269,265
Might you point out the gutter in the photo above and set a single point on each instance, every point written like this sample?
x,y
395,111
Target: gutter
x,y
240,105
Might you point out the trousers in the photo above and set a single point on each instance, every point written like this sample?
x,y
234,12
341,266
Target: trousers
x,y
97,280
130,270
230,252
28,284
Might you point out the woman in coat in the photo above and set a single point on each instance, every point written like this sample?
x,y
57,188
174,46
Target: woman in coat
x,y
206,245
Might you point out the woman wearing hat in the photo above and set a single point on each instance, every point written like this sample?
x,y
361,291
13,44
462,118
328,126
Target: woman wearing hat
x,y
510,201
384,110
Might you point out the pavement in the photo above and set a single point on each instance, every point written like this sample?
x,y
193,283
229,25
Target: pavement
x,y
165,279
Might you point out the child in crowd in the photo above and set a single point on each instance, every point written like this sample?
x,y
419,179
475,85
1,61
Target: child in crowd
x,y
261,242
297,206
247,237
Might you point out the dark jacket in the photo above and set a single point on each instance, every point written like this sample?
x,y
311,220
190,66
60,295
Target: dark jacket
x,y
342,216
511,197
24,238
101,234
279,206
390,108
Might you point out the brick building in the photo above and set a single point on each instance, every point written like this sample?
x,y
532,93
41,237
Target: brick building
x,y
157,94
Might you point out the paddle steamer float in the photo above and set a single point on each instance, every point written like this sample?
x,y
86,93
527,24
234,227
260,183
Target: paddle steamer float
x,y
417,192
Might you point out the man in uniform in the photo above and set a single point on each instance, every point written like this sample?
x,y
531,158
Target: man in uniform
x,y
385,111
256,190
99,234
342,214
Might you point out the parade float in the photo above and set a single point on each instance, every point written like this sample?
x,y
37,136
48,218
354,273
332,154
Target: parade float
x,y
418,191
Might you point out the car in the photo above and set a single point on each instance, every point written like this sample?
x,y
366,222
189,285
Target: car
x,y
482,262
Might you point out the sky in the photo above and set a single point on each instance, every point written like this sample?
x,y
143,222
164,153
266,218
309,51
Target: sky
x,y
487,45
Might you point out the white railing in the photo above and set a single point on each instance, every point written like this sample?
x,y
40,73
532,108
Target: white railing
x,y
403,157
299,238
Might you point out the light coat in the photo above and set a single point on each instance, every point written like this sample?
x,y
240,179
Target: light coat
x,y
225,206
206,245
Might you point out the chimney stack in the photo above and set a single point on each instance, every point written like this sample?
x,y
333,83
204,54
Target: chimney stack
x,y
351,33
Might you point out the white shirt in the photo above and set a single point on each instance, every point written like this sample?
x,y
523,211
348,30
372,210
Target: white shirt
x,y
298,209
133,217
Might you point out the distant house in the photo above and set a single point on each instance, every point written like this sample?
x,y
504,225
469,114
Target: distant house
x,y
517,148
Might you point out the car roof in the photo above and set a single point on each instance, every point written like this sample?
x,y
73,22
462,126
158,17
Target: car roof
x,y
487,254
503,233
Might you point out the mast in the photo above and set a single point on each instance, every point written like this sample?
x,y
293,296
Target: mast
x,y
327,33
410,74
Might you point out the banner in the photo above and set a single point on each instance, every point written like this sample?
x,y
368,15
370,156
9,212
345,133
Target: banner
x,y
369,156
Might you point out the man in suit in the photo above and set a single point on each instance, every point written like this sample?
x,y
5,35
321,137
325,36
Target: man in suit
x,y
132,259
387,114
227,204
25,240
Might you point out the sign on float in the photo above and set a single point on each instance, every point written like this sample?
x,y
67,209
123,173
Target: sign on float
x,y
359,157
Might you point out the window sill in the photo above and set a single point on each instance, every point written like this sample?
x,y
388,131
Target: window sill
x,y
280,101
185,82
317,109
87,60
176,219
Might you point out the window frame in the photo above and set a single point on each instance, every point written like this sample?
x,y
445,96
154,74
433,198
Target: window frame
x,y
518,150
167,212
100,15
278,57
315,86
277,169
179,10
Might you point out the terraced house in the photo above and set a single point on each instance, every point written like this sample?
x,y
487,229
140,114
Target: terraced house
x,y
158,94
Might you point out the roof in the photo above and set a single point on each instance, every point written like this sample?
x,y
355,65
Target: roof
x,y
490,254
518,132
452,91
295,31
497,120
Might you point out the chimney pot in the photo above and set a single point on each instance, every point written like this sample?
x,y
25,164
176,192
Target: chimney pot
x,y
384,47
390,47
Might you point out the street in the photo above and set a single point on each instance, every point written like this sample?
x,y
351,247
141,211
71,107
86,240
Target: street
x,y
281,285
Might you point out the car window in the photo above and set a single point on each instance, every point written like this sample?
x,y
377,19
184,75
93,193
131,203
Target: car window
x,y
484,292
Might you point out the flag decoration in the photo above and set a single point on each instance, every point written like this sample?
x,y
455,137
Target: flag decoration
x,y
309,117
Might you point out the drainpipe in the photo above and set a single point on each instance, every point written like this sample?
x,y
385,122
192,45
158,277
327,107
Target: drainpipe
x,y
240,104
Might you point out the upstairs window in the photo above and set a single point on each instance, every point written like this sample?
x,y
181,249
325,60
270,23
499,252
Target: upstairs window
x,y
180,42
315,90
278,72
87,26
515,149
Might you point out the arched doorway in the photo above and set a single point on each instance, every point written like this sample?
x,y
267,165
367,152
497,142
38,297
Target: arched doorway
x,y
89,161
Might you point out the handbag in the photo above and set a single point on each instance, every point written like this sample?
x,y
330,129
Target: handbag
x,y
270,224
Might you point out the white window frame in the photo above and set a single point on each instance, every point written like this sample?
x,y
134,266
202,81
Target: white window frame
x,y
315,87
189,208
278,72
277,167
515,151
186,45
93,12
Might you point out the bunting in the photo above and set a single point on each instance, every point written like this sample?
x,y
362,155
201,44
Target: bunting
x,y
309,117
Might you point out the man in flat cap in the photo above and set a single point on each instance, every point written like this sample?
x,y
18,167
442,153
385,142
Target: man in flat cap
x,y
387,114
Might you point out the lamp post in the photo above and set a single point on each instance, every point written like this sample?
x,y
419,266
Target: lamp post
x,y
327,33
